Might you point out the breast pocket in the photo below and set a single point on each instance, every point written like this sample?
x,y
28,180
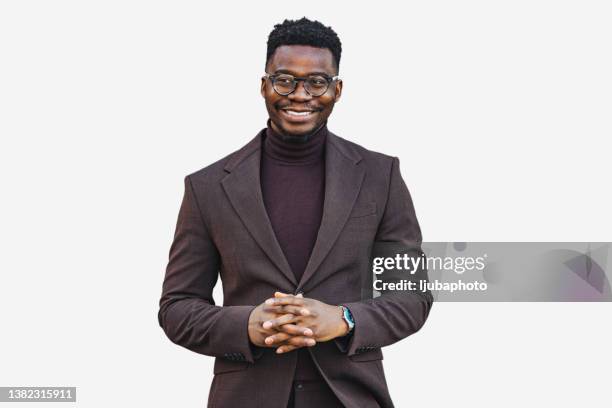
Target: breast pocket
x,y
363,210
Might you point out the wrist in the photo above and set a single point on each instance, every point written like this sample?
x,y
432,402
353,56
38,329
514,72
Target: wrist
x,y
345,322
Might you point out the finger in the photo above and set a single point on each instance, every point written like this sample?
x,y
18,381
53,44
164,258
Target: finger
x,y
288,300
295,343
297,310
274,309
284,319
282,295
288,309
276,338
278,294
286,348
301,341
296,330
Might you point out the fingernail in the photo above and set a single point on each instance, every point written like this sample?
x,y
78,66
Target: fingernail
x,y
279,351
269,301
305,312
269,340
267,325
308,332
310,342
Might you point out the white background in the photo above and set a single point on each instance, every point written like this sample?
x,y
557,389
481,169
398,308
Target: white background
x,y
500,112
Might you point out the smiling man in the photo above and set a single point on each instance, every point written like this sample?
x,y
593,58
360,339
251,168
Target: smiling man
x,y
300,112
290,222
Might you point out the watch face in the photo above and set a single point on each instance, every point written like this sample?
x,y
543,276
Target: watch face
x,y
348,317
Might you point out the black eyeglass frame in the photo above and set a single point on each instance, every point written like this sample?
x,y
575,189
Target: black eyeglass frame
x,y
272,78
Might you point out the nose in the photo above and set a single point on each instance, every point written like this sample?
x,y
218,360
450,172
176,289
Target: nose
x,y
300,93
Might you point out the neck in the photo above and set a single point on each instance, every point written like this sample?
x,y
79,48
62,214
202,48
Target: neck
x,y
285,148
295,139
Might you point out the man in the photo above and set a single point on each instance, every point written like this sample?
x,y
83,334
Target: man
x,y
290,222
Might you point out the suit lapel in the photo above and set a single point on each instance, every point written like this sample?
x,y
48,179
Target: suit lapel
x,y
343,179
243,188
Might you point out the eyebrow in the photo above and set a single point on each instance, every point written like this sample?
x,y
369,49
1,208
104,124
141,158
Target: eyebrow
x,y
287,71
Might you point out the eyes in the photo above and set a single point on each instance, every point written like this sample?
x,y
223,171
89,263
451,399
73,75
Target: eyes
x,y
314,80
318,81
285,80
315,85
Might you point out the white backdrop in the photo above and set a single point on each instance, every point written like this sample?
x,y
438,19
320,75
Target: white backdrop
x,y
500,112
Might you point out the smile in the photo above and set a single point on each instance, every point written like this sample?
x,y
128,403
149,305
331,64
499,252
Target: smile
x,y
298,114
296,117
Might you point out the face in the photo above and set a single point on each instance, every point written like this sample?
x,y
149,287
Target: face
x,y
287,112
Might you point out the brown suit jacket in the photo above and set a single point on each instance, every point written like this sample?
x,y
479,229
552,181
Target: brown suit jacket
x,y
223,230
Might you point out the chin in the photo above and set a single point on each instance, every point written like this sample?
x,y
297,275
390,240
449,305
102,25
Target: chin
x,y
298,130
298,133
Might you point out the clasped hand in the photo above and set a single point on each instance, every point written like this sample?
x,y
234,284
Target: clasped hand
x,y
288,322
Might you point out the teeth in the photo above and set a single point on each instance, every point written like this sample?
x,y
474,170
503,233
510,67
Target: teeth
x,y
294,113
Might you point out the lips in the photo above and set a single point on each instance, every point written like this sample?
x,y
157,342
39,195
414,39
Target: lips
x,y
298,115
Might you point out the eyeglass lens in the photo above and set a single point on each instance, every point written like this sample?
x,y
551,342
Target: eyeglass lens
x,y
315,85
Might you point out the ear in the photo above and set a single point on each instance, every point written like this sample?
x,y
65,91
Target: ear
x,y
262,89
338,90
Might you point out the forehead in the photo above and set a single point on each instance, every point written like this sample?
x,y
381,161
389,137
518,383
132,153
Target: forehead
x,y
302,60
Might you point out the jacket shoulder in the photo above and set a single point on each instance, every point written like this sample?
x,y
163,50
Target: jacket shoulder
x,y
371,157
216,171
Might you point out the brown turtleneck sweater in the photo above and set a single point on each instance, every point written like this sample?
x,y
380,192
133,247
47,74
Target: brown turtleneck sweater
x,y
293,187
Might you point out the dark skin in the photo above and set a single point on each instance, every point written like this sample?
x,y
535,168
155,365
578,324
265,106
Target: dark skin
x,y
300,61
288,322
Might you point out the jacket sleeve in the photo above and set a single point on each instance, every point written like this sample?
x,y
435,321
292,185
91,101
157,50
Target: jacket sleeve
x,y
395,314
187,311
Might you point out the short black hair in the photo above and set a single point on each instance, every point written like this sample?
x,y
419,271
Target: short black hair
x,y
304,32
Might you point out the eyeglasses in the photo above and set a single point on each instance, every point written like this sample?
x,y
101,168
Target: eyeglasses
x,y
314,85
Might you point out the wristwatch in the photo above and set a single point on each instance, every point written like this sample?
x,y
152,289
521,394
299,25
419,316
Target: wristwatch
x,y
348,318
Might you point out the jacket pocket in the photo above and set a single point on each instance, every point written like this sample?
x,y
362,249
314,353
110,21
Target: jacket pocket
x,y
225,366
371,355
363,210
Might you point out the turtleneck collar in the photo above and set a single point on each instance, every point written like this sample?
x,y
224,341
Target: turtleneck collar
x,y
293,149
